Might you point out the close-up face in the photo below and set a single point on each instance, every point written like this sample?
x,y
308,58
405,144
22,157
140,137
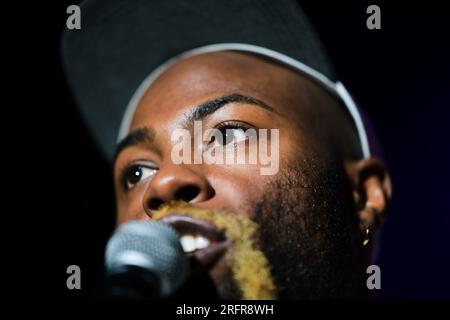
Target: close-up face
x,y
242,150
308,210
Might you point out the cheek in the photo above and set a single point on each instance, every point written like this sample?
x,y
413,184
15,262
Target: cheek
x,y
130,207
238,192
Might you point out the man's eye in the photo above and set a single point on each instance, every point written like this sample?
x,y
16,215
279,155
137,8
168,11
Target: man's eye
x,y
231,135
136,174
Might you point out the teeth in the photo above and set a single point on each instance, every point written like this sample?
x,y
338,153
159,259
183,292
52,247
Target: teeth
x,y
191,243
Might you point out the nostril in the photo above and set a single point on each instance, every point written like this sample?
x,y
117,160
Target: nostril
x,y
187,193
155,203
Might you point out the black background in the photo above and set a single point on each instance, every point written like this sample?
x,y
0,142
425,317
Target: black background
x,y
58,202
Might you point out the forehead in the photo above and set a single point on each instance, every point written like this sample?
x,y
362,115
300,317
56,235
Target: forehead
x,y
196,79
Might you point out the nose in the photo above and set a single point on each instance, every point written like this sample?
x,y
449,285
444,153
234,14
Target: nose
x,y
176,182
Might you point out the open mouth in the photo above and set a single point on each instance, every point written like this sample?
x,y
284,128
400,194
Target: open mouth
x,y
199,238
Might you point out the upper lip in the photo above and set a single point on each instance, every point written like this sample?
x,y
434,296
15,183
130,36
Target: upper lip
x,y
188,225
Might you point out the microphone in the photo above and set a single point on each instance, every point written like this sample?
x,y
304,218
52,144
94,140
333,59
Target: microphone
x,y
144,260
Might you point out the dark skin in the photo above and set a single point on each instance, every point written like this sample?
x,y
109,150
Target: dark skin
x,y
317,141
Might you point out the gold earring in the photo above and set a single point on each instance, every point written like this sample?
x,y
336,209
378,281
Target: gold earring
x,y
366,237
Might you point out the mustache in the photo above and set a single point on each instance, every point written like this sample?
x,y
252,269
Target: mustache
x,y
249,265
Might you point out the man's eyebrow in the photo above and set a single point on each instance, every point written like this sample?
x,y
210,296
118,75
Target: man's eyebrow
x,y
135,137
197,113
206,108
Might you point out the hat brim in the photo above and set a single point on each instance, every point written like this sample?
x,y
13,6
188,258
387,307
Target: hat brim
x,y
121,42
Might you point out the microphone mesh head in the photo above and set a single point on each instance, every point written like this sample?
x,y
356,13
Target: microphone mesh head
x,y
154,246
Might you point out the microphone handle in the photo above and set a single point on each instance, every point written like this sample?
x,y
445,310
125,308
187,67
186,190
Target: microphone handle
x,y
132,283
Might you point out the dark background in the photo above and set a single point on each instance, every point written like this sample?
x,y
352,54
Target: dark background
x,y
58,202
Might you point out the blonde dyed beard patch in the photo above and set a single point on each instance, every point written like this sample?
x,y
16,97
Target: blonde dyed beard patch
x,y
249,265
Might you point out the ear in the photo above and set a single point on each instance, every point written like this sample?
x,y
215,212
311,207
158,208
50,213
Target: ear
x,y
372,191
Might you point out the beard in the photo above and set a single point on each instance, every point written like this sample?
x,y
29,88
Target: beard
x,y
297,243
247,275
307,232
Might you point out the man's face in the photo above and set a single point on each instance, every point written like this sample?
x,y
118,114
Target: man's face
x,y
304,211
